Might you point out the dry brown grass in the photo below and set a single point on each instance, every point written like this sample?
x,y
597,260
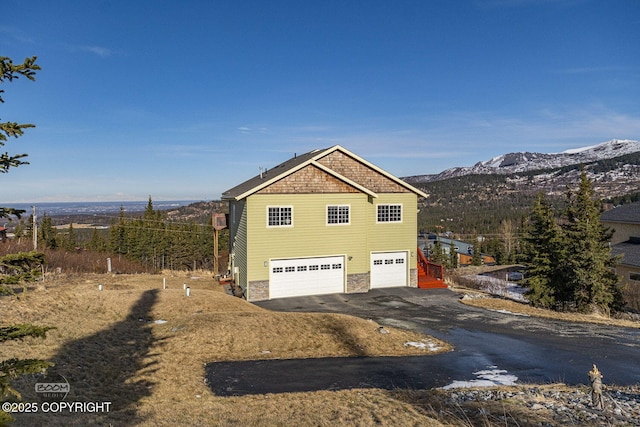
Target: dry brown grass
x,y
494,303
109,349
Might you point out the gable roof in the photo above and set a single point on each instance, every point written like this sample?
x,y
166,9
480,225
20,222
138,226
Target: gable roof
x,y
288,167
630,251
626,213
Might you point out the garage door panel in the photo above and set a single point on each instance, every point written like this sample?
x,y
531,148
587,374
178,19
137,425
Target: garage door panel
x,y
306,276
388,269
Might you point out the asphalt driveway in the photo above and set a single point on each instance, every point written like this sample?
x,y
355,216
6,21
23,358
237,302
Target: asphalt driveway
x,y
533,350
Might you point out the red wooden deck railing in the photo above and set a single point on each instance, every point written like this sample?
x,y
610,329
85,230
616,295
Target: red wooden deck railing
x,y
430,275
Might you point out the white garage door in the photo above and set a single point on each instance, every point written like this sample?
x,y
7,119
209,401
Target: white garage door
x,y
306,276
388,269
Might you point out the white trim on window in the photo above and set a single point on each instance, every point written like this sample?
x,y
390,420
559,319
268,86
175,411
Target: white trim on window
x,y
389,213
279,216
338,214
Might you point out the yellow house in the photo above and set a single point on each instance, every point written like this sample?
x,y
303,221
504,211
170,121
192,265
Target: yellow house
x,y
327,221
625,221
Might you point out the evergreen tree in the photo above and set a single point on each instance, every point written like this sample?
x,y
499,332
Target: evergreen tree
x,y
20,265
118,234
476,258
9,72
97,242
437,255
453,256
542,254
47,234
70,241
588,264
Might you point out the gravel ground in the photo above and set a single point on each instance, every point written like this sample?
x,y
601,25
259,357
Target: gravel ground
x,y
547,406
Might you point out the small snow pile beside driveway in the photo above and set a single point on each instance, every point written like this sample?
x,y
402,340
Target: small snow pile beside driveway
x,y
499,287
511,312
424,345
490,377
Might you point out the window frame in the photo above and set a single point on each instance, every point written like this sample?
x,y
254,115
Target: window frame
x,y
338,214
280,223
388,217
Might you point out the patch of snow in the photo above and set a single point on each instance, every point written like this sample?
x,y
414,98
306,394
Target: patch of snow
x,y
160,321
510,312
422,345
578,150
500,287
486,378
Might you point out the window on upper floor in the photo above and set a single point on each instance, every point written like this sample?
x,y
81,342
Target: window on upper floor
x,y
634,276
279,216
389,213
338,214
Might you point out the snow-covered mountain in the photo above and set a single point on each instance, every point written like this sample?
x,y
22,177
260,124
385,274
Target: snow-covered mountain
x,y
524,161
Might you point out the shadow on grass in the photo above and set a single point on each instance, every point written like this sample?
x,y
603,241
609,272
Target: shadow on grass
x,y
339,330
106,367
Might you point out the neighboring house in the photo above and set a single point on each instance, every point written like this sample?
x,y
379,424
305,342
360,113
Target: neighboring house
x,y
323,222
464,250
625,220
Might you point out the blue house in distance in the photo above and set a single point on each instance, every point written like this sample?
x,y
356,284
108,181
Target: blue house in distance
x,y
463,249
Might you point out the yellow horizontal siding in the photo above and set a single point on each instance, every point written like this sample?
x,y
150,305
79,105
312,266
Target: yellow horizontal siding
x,y
310,235
393,236
239,239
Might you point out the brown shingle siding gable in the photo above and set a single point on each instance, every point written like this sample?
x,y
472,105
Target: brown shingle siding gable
x,y
309,179
361,173
336,161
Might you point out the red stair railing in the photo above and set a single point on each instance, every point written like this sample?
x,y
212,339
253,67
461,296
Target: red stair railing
x,y
430,269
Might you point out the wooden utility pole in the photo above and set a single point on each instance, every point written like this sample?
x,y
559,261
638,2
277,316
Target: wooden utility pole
x,y
216,263
34,229
219,222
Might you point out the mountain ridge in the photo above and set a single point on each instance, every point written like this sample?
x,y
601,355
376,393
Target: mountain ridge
x,y
519,162
477,199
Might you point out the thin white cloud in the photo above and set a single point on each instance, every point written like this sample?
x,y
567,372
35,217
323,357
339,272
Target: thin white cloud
x,y
100,51
14,35
524,3
246,130
184,150
592,69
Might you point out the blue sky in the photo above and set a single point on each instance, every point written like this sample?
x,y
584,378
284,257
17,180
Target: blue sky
x,y
181,100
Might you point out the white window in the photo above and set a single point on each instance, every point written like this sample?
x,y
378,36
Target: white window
x,y
279,216
338,214
389,213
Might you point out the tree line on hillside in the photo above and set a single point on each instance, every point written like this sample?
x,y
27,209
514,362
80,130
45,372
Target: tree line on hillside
x,y
478,203
565,251
150,238
472,204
